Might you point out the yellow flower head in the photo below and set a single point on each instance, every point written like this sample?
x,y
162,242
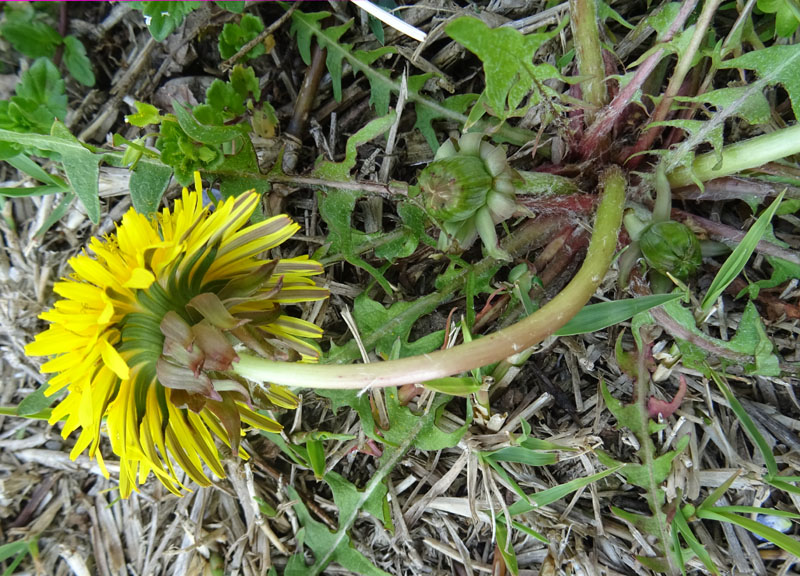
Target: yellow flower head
x,y
148,327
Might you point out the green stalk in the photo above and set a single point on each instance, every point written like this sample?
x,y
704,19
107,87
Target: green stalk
x,y
488,350
589,53
741,156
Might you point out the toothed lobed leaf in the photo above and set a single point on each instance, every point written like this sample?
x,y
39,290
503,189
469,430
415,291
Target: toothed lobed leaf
x,y
507,57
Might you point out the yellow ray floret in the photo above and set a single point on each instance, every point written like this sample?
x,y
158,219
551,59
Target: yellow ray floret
x,y
148,325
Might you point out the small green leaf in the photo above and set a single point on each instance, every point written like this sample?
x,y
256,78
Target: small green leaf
x,y
522,455
234,36
349,499
453,386
327,546
78,63
316,457
39,99
212,135
32,37
146,114
787,15
340,171
164,17
235,6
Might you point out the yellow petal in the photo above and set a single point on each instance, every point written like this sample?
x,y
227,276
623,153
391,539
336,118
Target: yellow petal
x,y
113,360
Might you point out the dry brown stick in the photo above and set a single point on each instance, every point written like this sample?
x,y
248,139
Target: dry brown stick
x,y
302,107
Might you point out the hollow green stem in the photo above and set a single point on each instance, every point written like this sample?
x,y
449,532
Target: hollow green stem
x,y
741,156
493,348
589,53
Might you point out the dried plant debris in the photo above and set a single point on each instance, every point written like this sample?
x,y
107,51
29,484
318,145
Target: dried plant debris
x,y
655,433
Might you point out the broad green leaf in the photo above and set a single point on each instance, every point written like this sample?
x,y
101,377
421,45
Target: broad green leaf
x,y
336,207
235,6
751,338
776,64
349,499
78,63
389,324
507,57
327,547
307,26
787,15
736,262
429,436
82,168
149,181
753,107
335,546
752,341
600,316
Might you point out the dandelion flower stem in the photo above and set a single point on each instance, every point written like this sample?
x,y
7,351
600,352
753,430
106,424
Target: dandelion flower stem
x,y
481,352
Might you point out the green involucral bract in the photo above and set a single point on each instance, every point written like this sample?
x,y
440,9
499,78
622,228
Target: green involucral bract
x,y
469,188
671,247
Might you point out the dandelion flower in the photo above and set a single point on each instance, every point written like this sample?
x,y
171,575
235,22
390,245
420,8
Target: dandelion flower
x,y
148,326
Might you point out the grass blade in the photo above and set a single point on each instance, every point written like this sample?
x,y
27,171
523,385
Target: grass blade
x,y
739,257
599,316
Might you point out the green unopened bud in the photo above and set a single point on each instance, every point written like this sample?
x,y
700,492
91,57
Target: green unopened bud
x,y
671,247
455,187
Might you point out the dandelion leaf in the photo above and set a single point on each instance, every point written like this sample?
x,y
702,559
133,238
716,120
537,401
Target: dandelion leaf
x,y
349,499
306,26
340,171
776,64
327,547
507,57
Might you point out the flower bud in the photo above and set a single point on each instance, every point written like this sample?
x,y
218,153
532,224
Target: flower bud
x,y
469,182
671,247
456,187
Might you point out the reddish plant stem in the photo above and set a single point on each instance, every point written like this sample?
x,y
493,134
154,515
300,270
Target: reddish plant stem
x,y
676,82
731,236
607,118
